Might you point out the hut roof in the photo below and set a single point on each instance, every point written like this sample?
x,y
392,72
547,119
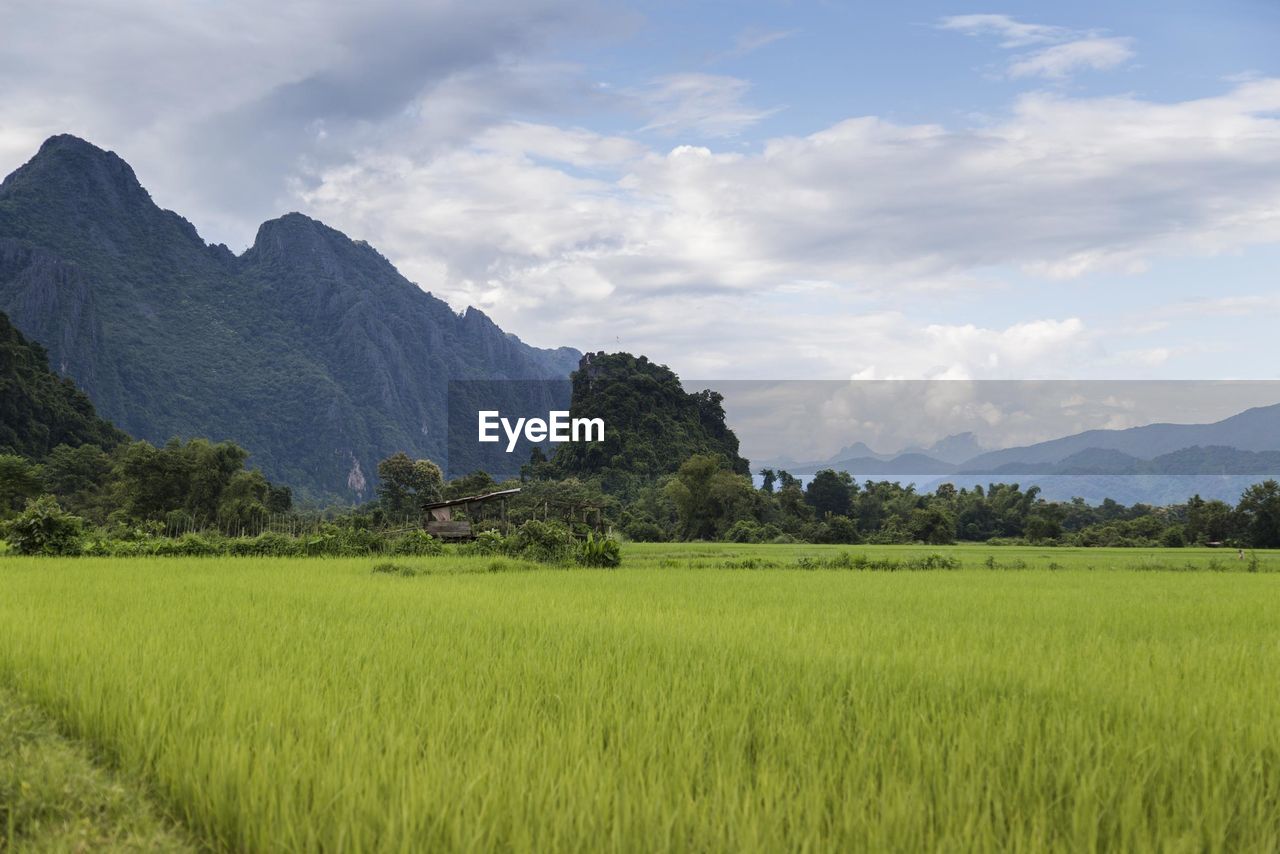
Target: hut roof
x,y
471,499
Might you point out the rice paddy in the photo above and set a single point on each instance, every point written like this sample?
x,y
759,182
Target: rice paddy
x,y
703,697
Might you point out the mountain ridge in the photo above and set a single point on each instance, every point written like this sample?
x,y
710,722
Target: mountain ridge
x,y
309,348
1254,429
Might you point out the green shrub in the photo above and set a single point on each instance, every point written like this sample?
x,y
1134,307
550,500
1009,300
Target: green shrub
x,y
486,543
845,560
190,545
838,529
743,531
44,528
416,543
266,544
548,542
644,531
344,541
599,552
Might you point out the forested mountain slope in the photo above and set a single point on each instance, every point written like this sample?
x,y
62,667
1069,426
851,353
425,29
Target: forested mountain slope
x,y
310,349
39,409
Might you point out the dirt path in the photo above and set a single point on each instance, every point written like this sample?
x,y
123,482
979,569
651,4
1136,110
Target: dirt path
x,y
54,797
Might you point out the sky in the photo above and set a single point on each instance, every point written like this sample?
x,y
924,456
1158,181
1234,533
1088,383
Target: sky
x,y
740,190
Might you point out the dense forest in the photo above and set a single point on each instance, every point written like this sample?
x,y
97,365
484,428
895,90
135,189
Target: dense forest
x,y
669,469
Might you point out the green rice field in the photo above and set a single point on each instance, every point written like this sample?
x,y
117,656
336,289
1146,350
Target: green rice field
x,y
703,697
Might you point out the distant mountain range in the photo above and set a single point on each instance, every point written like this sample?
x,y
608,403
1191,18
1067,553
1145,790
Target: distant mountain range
x,y
945,452
1256,429
1156,463
309,349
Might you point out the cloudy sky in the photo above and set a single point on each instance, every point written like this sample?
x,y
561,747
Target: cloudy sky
x,y
739,189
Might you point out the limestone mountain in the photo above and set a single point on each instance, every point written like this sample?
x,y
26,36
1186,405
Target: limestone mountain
x,y
309,349
652,424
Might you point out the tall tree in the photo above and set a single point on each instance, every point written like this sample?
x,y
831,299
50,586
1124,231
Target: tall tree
x,y
1259,509
709,497
830,493
405,483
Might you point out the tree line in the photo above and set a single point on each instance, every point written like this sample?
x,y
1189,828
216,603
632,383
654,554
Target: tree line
x,y
704,499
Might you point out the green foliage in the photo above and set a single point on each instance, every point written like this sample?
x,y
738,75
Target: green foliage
x,y
652,425
193,476
266,544
866,563
243,500
41,409
406,484
709,497
20,481
644,531
486,543
416,543
932,525
476,483
534,540
43,528
547,542
599,552
742,531
830,493
81,478
1259,512
839,530
1209,521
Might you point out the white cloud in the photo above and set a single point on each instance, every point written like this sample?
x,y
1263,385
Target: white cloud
x,y
812,242
749,41
1067,52
1226,306
867,247
250,91
1014,32
1060,61
707,105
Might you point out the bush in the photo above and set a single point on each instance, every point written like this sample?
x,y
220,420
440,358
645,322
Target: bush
x,y
644,531
600,552
44,528
344,541
190,545
845,560
743,531
1174,537
486,543
266,544
416,543
838,529
549,542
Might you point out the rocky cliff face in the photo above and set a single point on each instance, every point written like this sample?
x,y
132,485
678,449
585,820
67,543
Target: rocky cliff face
x,y
310,349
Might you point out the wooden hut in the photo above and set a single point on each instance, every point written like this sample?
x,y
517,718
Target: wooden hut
x,y
438,516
